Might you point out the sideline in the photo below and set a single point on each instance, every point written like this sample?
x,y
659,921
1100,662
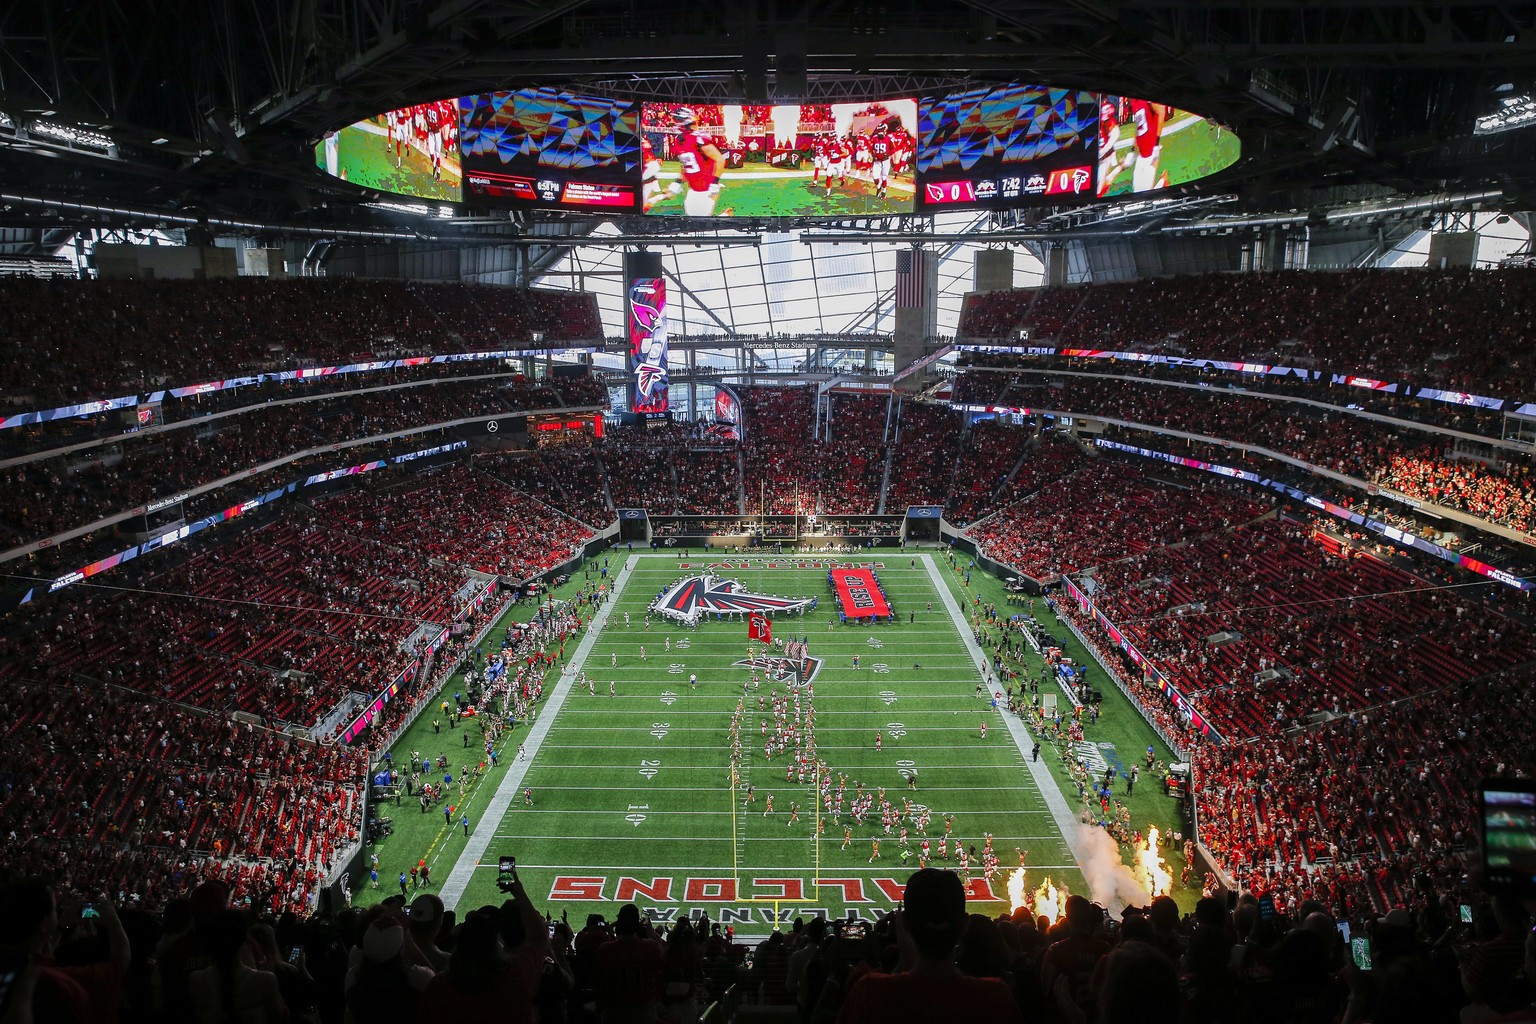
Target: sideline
x,y
495,812
1065,820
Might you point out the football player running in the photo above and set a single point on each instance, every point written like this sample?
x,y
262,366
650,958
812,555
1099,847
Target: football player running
x,y
702,165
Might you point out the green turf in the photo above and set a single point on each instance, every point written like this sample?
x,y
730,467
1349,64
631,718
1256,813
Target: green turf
x,y
365,158
637,786
1192,152
762,190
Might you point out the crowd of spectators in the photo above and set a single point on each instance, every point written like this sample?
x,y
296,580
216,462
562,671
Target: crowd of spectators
x,y
568,477
1503,494
1399,457
987,459
1462,330
708,481
43,497
67,342
115,791
466,518
1100,513
779,457
1299,627
927,451
1251,961
850,462
997,316
1375,807
282,621
640,469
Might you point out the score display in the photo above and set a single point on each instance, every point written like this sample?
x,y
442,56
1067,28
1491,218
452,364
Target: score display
x,y
1006,145
557,429
991,146
546,147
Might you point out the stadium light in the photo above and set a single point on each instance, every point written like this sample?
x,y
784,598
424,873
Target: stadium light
x,y
1514,112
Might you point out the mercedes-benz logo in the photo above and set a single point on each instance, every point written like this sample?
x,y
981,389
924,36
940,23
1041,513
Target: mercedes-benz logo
x,y
492,426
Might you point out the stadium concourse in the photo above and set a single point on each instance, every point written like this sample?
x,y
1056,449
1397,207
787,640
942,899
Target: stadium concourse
x,y
250,713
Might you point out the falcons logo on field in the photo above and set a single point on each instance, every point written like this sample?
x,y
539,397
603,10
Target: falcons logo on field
x,y
779,669
688,598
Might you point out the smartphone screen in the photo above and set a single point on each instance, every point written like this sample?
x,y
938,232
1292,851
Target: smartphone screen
x,y
1360,949
1509,836
89,911
295,953
507,865
1343,927
1466,914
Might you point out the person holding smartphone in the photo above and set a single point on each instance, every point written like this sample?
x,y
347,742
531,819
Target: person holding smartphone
x,y
33,923
232,990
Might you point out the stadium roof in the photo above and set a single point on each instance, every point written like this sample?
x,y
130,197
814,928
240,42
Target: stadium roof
x,y
212,109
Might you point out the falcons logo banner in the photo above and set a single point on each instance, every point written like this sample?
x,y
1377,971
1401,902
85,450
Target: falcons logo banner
x,y
759,628
692,598
648,345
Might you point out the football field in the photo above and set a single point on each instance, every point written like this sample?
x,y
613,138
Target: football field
x,y
365,157
632,793
762,190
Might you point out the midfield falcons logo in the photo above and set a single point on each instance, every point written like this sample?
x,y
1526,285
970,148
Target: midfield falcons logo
x,y
781,670
703,594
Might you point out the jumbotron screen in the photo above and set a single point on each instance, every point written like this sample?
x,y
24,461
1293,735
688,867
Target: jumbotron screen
x,y
547,147
412,151
1145,146
799,160
989,146
1006,145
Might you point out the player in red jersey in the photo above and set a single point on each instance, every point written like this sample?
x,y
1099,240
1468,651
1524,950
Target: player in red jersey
x,y
837,162
818,157
1109,134
702,164
1148,118
650,188
880,153
432,119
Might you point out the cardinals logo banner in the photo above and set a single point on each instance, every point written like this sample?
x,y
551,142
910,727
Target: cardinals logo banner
x,y
759,628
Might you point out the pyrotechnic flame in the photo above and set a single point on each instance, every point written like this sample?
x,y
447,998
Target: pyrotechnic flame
x,y
1049,901
1016,896
1150,869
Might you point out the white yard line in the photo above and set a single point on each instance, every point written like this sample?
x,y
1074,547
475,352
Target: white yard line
x,y
491,818
1057,804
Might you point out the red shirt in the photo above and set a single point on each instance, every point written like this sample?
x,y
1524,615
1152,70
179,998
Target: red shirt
x,y
698,169
1149,126
1109,123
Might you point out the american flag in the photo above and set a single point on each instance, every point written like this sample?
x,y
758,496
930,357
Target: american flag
x,y
909,278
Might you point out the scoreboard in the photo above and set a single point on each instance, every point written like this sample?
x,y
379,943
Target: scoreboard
x,y
554,429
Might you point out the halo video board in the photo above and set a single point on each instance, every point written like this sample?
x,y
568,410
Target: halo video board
x,y
991,146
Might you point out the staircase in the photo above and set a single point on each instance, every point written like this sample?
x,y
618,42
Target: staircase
x,y
741,482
